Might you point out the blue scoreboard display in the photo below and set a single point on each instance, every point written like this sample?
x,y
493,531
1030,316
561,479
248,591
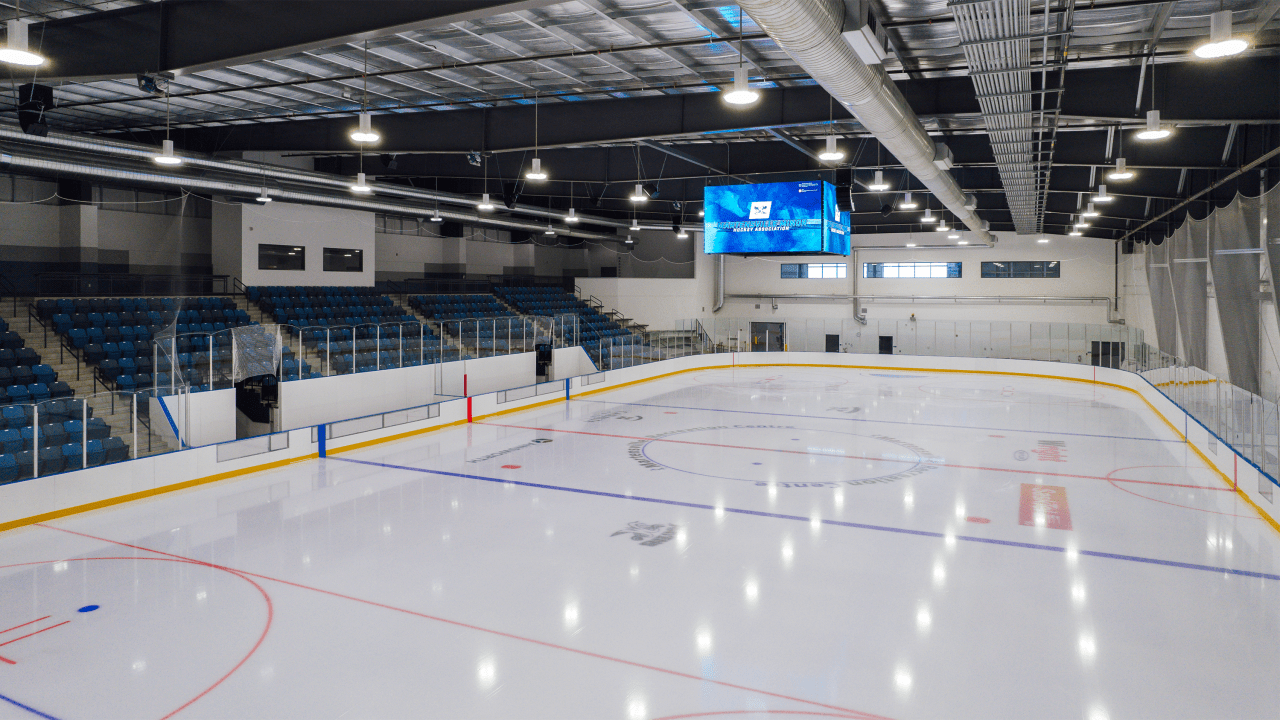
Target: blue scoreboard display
x,y
776,218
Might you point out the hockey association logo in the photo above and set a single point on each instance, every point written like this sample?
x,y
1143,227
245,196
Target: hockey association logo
x,y
760,210
648,535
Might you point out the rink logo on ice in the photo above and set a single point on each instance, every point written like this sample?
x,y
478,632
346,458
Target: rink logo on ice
x,y
1051,451
619,414
648,535
500,453
1044,506
760,210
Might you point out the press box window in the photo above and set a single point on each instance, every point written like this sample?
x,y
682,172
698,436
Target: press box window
x,y
814,271
911,270
281,257
1028,269
343,260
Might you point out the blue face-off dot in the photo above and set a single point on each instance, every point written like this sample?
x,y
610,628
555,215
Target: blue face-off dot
x,y
88,608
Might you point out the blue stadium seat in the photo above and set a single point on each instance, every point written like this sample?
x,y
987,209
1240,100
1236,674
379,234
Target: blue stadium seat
x,y
72,456
8,468
114,449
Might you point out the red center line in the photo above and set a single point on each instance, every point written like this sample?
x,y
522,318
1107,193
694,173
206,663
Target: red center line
x,y
5,659
855,457
853,713
15,627
24,637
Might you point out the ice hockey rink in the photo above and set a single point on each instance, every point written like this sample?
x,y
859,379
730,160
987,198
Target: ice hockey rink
x,y
740,543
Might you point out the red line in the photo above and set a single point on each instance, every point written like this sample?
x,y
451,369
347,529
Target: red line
x,y
856,457
5,659
24,637
455,623
15,627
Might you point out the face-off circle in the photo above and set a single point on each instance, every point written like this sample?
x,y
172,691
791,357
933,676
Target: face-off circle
x,y
785,456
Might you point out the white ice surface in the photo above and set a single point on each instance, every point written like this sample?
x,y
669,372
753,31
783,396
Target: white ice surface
x,y
475,573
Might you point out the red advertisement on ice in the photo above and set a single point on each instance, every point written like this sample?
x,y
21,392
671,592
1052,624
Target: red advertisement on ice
x,y
1044,506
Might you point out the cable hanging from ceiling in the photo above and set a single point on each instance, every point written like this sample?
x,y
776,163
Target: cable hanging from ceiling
x,y
364,132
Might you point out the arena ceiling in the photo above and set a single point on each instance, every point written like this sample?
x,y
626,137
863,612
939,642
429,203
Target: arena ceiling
x,y
622,91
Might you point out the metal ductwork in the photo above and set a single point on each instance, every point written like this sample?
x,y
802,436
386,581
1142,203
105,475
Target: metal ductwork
x,y
810,32
62,168
997,38
255,175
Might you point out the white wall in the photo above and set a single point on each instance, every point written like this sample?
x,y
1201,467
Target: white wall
x,y
311,402
311,227
570,362
210,419
162,242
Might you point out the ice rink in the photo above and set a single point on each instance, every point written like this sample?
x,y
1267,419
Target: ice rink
x,y
748,543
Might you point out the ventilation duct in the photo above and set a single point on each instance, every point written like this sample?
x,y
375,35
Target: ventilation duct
x,y
1021,120
63,168
809,31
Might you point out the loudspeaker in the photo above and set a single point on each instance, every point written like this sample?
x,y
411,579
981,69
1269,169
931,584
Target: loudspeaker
x,y
1126,247
886,211
389,161
510,195
844,201
33,100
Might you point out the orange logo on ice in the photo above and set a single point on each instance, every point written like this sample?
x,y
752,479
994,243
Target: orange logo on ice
x,y
1044,506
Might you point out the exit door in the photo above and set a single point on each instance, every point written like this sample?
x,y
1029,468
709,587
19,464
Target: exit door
x,y
766,337
886,344
1106,354
833,343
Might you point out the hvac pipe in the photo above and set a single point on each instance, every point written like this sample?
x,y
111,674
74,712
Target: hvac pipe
x,y
809,31
59,167
257,173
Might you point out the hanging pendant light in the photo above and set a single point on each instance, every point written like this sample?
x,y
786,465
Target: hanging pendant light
x,y
928,216
878,185
1089,211
1076,233
1081,224
1154,130
1121,172
639,195
549,230
264,198
1102,195
361,186
364,132
1221,44
485,205
942,225
166,156
15,51
571,217
535,171
907,203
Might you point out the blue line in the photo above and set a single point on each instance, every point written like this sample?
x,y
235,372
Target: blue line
x,y
165,408
840,523
27,708
886,422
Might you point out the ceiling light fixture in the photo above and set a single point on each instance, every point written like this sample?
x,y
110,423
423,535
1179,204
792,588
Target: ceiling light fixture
x,y
831,153
1043,241
1121,172
928,216
361,186
548,231
435,214
639,195
485,205
878,185
1102,195
1075,233
1154,130
364,132
15,50
741,94
535,172
571,217
942,224
682,235
1089,211
907,203
264,198
1080,224
166,156
1221,44
962,242
635,224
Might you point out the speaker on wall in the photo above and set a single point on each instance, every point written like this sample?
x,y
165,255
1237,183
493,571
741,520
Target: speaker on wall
x,y
33,101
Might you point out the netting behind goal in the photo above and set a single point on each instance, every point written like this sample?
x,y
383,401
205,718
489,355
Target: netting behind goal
x,y
255,350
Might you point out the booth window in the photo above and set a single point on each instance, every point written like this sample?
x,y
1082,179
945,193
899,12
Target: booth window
x,y
343,260
813,271
281,257
911,270
1028,269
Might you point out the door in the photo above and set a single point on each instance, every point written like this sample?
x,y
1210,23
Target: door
x,y
833,343
1106,354
886,344
766,337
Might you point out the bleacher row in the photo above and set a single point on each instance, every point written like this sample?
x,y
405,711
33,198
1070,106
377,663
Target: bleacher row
x,y
592,326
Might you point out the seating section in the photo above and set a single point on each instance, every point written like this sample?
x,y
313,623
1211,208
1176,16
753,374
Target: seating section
x,y
482,324
114,335
309,307
593,327
42,424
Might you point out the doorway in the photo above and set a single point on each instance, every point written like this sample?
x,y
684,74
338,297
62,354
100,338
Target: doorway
x,y
886,344
766,337
1106,354
833,343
